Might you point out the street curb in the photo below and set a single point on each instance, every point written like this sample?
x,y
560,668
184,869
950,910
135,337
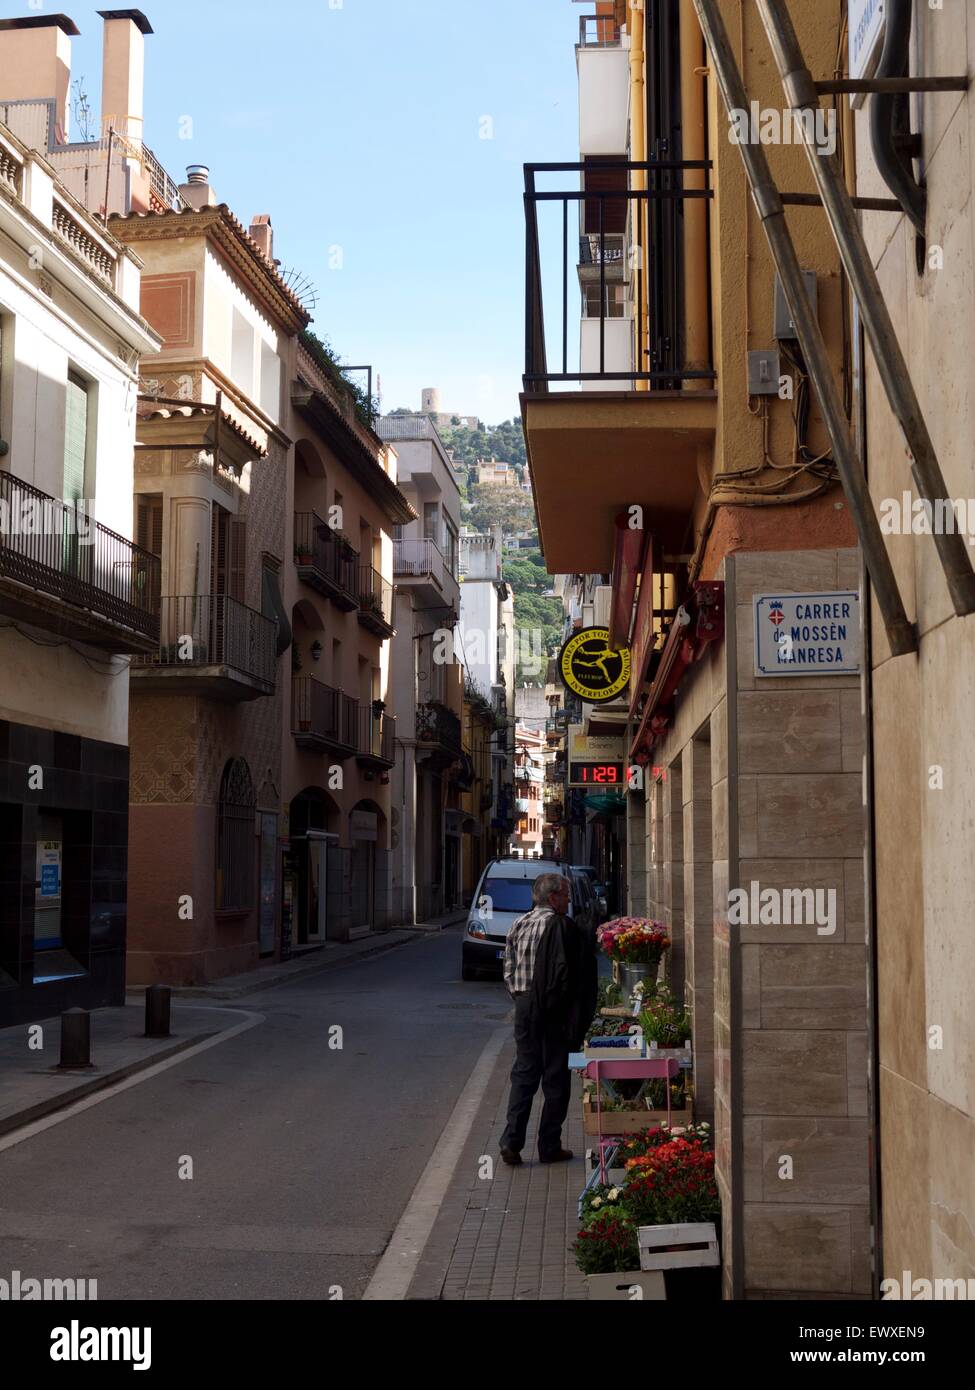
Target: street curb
x,y
99,1083
314,967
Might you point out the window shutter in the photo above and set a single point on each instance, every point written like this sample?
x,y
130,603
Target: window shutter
x,y
149,523
75,438
238,559
218,552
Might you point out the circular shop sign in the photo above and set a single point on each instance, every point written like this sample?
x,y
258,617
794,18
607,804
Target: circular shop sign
x,y
591,669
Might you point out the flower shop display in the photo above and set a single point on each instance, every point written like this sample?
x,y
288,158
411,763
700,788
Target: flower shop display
x,y
657,1229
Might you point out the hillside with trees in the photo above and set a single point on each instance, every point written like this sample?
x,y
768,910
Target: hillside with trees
x,y
513,510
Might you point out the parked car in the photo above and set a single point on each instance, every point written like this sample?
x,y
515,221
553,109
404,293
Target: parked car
x,y
503,894
599,889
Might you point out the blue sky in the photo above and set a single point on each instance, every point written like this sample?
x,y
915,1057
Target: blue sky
x,y
358,125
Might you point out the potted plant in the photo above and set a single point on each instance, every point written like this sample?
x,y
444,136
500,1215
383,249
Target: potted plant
x,y
665,1023
607,1252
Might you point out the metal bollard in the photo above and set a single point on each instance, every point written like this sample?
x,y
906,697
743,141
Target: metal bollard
x,y
158,1004
75,1040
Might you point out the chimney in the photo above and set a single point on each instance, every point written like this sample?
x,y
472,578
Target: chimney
x,y
196,190
261,233
35,65
123,71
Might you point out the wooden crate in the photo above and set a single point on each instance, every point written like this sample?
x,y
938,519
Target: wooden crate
x,y
632,1121
696,1242
626,1288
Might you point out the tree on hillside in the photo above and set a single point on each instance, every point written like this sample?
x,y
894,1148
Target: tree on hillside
x,y
507,507
505,442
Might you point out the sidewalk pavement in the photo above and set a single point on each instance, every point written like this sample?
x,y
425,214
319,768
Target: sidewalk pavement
x,y
33,1087
508,1237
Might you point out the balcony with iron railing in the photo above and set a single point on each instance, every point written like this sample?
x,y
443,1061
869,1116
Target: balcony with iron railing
x,y
61,571
326,561
212,645
323,719
375,602
438,730
599,31
420,565
377,738
617,263
164,189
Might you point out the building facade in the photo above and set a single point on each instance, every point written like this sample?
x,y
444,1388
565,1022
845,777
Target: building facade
x,y
427,685
487,636
211,494
920,737
749,776
530,763
339,735
78,600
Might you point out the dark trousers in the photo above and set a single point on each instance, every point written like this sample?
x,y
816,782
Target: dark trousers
x,y
542,1060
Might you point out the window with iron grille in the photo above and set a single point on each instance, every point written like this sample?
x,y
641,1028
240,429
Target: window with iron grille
x,y
235,839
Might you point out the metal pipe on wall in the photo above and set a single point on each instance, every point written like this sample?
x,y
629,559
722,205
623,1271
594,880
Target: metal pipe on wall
x,y
697,344
800,90
900,632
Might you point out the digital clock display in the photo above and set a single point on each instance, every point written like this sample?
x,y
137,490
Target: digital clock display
x,y
596,775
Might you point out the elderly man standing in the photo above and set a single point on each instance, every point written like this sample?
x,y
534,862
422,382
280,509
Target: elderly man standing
x,y
550,971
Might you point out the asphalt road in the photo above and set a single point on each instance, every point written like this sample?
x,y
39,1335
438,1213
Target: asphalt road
x,y
303,1156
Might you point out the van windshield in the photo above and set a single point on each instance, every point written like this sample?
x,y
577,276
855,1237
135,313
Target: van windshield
x,y
508,894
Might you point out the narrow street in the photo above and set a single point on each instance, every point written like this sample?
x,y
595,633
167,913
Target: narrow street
x,y
335,1142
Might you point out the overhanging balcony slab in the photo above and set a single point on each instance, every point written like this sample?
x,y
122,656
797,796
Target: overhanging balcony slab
x,y
593,454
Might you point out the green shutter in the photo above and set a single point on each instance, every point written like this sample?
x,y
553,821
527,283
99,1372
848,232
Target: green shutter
x,y
75,439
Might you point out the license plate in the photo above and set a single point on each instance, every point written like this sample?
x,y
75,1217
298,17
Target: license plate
x,y
500,955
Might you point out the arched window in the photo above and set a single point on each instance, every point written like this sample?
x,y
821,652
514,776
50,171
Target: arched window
x,y
235,839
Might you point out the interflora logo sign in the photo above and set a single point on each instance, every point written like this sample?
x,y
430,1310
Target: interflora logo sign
x,y
591,669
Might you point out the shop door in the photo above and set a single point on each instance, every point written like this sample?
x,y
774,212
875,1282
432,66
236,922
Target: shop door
x,y
317,880
363,884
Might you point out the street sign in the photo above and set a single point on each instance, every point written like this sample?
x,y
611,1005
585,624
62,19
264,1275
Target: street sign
x,y
807,634
590,668
866,25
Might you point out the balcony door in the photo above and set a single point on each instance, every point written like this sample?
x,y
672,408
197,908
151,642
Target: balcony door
x,y
228,552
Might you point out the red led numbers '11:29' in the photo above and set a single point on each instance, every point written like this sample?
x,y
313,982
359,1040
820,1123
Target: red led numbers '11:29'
x,y
596,775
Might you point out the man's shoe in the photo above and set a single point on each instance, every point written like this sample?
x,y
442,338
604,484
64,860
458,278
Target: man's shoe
x,y
560,1156
511,1156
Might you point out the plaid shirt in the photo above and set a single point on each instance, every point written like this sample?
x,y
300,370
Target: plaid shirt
x,y
522,947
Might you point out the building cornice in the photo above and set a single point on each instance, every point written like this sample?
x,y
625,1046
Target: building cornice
x,y
342,438
228,236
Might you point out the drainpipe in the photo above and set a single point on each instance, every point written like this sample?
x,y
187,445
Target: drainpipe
x,y
885,107
638,153
697,349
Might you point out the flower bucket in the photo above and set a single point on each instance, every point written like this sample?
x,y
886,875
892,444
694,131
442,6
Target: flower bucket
x,y
632,975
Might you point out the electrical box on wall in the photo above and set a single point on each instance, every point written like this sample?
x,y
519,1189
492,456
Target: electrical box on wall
x,y
783,327
763,372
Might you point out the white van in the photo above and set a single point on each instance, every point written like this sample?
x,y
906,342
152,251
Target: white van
x,y
504,894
